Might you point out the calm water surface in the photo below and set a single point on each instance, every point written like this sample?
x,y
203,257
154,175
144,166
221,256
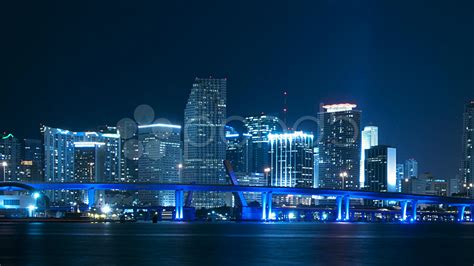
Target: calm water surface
x,y
236,244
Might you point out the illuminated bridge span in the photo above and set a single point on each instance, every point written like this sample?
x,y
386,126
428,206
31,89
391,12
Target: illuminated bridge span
x,y
342,196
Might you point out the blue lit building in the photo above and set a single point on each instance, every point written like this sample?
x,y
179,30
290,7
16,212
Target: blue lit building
x,y
10,152
339,146
159,163
258,127
79,157
381,169
369,138
204,138
239,150
411,168
400,176
467,166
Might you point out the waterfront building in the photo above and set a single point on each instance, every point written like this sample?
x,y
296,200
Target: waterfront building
x,y
339,146
204,138
369,138
381,169
467,166
161,160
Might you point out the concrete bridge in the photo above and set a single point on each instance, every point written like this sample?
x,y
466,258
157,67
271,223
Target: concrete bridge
x,y
342,196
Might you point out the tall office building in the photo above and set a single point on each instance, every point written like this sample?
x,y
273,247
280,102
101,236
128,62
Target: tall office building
x,y
316,167
239,150
339,146
258,127
467,167
411,168
291,159
32,162
381,169
400,176
160,161
204,138
10,152
73,156
369,138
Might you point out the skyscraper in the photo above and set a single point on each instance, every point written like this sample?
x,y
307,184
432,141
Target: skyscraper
x,y
160,160
339,146
411,168
87,152
467,167
258,127
10,152
33,159
204,138
381,169
239,150
400,176
291,159
369,138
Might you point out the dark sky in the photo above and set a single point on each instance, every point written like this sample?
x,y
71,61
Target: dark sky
x,y
409,65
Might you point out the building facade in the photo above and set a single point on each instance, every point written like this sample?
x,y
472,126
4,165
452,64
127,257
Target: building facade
x,y
381,169
339,146
369,138
411,168
10,153
258,127
467,166
161,160
204,138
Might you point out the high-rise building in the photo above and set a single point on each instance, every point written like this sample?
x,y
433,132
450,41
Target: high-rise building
x,y
32,162
316,167
400,176
68,157
339,146
369,138
467,166
411,168
160,161
291,159
381,169
204,138
239,150
258,127
10,152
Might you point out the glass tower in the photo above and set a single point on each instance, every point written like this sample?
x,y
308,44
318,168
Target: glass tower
x,y
467,167
160,160
370,138
411,168
339,146
381,169
204,138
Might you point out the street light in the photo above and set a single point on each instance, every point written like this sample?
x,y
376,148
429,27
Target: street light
x,y
343,175
267,171
4,164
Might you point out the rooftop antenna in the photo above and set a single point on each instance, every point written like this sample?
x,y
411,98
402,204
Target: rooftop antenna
x,y
285,106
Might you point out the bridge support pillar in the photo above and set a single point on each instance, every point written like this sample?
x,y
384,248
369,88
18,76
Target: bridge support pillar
x,y
403,206
264,205
461,210
347,202
339,208
179,204
91,198
269,205
414,204
472,213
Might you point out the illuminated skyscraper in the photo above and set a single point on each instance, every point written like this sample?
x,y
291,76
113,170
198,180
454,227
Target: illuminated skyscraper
x,y
204,138
66,151
291,159
411,168
10,152
160,160
339,146
381,169
239,150
258,127
467,167
32,160
370,138
400,176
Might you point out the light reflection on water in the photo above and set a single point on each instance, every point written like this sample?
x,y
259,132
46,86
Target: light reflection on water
x,y
236,243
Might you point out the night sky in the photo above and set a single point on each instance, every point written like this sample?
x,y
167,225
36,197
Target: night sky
x,y
409,65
